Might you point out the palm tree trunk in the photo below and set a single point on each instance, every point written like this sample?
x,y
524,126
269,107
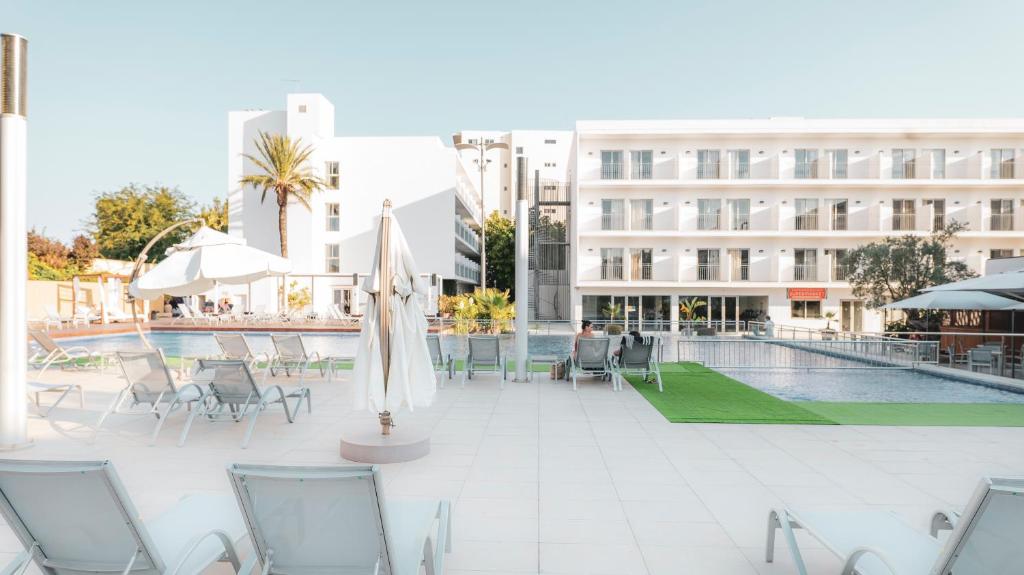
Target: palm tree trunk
x,y
282,228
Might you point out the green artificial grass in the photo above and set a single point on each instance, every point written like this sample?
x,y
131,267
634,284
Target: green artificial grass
x,y
951,414
694,394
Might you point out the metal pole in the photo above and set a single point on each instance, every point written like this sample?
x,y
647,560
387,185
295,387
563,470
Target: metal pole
x,y
522,273
384,291
483,221
13,241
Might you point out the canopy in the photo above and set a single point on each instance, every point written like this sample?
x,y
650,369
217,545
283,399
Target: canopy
x,y
1009,282
955,300
202,261
393,368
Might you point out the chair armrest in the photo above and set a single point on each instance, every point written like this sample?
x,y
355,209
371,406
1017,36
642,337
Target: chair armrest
x,y
943,520
851,562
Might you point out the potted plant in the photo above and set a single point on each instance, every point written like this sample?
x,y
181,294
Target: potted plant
x,y
612,311
828,332
688,309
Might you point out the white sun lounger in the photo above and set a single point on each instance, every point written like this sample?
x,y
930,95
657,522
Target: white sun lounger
x,y
52,353
76,517
591,358
235,346
986,538
305,520
484,355
290,354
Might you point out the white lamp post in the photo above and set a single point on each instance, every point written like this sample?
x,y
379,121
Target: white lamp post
x,y
481,163
13,242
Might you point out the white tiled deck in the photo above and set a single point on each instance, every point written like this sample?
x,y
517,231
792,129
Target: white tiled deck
x,y
547,480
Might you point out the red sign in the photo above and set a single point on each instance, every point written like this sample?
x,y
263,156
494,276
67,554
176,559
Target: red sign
x,y
806,294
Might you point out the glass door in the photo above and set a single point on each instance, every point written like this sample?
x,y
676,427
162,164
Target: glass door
x,y
632,312
851,315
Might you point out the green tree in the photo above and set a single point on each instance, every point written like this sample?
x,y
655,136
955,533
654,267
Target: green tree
x,y
501,253
496,305
83,251
49,251
126,219
215,215
901,266
285,172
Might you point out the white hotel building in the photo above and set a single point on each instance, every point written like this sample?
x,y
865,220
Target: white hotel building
x,y
751,216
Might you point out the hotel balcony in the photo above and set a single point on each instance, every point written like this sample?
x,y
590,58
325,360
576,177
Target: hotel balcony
x,y
466,239
467,270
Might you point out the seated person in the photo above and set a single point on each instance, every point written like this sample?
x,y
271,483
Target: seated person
x,y
636,337
225,306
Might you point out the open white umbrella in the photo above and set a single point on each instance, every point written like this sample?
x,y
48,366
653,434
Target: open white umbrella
x,y
951,300
1009,282
202,261
393,368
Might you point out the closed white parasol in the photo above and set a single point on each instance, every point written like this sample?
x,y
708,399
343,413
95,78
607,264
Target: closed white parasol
x,y
393,369
204,260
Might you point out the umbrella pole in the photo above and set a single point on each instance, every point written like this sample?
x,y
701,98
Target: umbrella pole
x,y
385,289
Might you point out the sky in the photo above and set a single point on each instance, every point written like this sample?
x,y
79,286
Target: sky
x,y
128,91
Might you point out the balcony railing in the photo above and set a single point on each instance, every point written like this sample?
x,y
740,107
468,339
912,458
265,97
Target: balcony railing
x,y
905,171
611,171
641,272
840,273
468,270
806,170
613,221
741,221
641,171
709,221
805,272
839,222
1004,171
806,222
1001,222
708,171
709,272
641,222
741,272
903,222
467,234
611,272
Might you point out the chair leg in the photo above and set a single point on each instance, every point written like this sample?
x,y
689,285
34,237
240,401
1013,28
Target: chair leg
x,y
121,395
188,422
161,419
252,423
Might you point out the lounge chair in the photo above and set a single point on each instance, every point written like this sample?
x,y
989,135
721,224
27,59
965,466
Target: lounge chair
x,y
200,315
235,346
85,314
149,382
637,359
981,357
185,313
591,358
64,389
76,517
336,520
51,353
52,317
233,387
116,315
484,355
441,361
985,539
290,353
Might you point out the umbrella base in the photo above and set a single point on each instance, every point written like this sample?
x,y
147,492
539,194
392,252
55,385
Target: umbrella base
x,y
370,446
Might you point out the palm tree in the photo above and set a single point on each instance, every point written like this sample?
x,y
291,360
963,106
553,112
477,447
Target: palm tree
x,y
286,173
689,307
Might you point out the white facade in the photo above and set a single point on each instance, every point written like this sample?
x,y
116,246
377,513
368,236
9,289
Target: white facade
x,y
335,237
740,212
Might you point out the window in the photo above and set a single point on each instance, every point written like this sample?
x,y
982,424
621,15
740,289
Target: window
x,y
473,141
611,263
903,215
740,214
709,265
1002,163
333,217
1002,215
640,263
550,164
740,262
805,309
839,268
489,141
806,163
837,212
333,175
709,214
707,164
806,214
938,159
519,149
939,215
641,215
302,108
613,214
805,264
343,299
641,164
839,168
1000,254
739,161
332,258
902,163
550,141
611,164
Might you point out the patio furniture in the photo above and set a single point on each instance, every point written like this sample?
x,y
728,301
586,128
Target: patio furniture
x,y
484,355
335,519
233,388
637,359
52,353
290,353
76,517
85,314
984,538
235,346
591,358
185,313
981,357
441,361
54,318
954,357
37,387
150,382
331,362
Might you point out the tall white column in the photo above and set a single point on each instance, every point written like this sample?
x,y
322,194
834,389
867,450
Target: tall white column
x,y
13,243
522,274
